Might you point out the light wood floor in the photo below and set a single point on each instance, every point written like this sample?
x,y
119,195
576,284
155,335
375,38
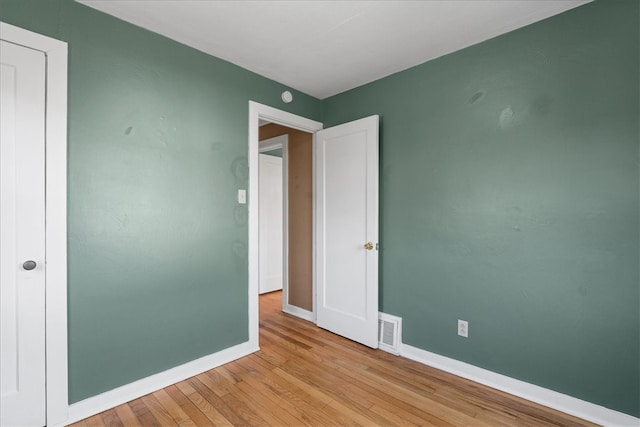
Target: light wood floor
x,y
304,375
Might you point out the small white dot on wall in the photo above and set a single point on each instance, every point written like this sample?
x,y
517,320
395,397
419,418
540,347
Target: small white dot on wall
x,y
287,97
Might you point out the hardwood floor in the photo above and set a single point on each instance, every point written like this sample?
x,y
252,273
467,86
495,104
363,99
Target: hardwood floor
x,y
304,375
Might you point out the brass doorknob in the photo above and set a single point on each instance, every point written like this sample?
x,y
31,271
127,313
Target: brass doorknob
x,y
368,246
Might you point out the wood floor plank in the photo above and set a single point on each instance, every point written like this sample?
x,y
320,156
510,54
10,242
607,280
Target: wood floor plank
x,y
198,417
143,414
273,358
110,418
347,414
158,411
222,370
217,383
340,390
359,396
293,413
246,410
306,376
273,414
306,397
127,416
294,400
287,338
236,415
334,367
204,405
94,421
173,408
407,395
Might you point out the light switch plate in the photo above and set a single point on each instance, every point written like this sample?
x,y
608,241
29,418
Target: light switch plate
x,y
242,197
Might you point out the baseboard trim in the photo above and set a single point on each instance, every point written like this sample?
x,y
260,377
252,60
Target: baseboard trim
x,y
299,312
552,399
96,404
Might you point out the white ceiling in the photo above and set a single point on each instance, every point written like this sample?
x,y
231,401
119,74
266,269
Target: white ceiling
x,y
323,48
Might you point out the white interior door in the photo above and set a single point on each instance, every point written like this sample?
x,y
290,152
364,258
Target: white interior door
x,y
271,220
347,230
22,226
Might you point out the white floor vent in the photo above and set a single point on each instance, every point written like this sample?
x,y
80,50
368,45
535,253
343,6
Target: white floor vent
x,y
389,333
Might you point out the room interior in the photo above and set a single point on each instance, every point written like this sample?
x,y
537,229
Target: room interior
x,y
509,196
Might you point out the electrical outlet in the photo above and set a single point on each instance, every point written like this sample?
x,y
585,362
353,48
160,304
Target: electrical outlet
x,y
463,328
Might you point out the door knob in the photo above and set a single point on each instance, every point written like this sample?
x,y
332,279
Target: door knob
x,y
368,246
29,265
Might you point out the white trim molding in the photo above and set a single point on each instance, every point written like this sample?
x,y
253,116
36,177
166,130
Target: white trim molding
x,y
55,214
277,142
112,398
552,399
299,312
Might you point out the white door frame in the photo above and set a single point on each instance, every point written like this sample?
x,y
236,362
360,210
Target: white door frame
x,y
55,215
256,112
277,142
281,142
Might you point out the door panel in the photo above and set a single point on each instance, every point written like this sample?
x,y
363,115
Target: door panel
x,y
271,220
347,219
22,226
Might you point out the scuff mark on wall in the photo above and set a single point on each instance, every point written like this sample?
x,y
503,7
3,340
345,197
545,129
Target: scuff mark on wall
x,y
507,118
239,252
240,169
476,97
240,215
542,105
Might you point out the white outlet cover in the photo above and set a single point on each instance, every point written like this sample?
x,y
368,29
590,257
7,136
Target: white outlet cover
x,y
463,328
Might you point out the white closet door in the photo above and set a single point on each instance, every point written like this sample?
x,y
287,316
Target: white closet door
x,y
22,242
271,220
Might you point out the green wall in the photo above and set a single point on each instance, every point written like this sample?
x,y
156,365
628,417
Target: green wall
x,y
509,198
157,149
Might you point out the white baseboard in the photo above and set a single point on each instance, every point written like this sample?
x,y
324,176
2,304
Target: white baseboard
x,y
96,404
552,399
299,312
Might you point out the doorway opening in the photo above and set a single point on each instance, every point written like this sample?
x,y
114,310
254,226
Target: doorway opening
x,y
286,216
344,221
276,123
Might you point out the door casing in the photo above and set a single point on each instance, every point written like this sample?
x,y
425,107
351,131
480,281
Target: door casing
x,y
256,112
55,214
